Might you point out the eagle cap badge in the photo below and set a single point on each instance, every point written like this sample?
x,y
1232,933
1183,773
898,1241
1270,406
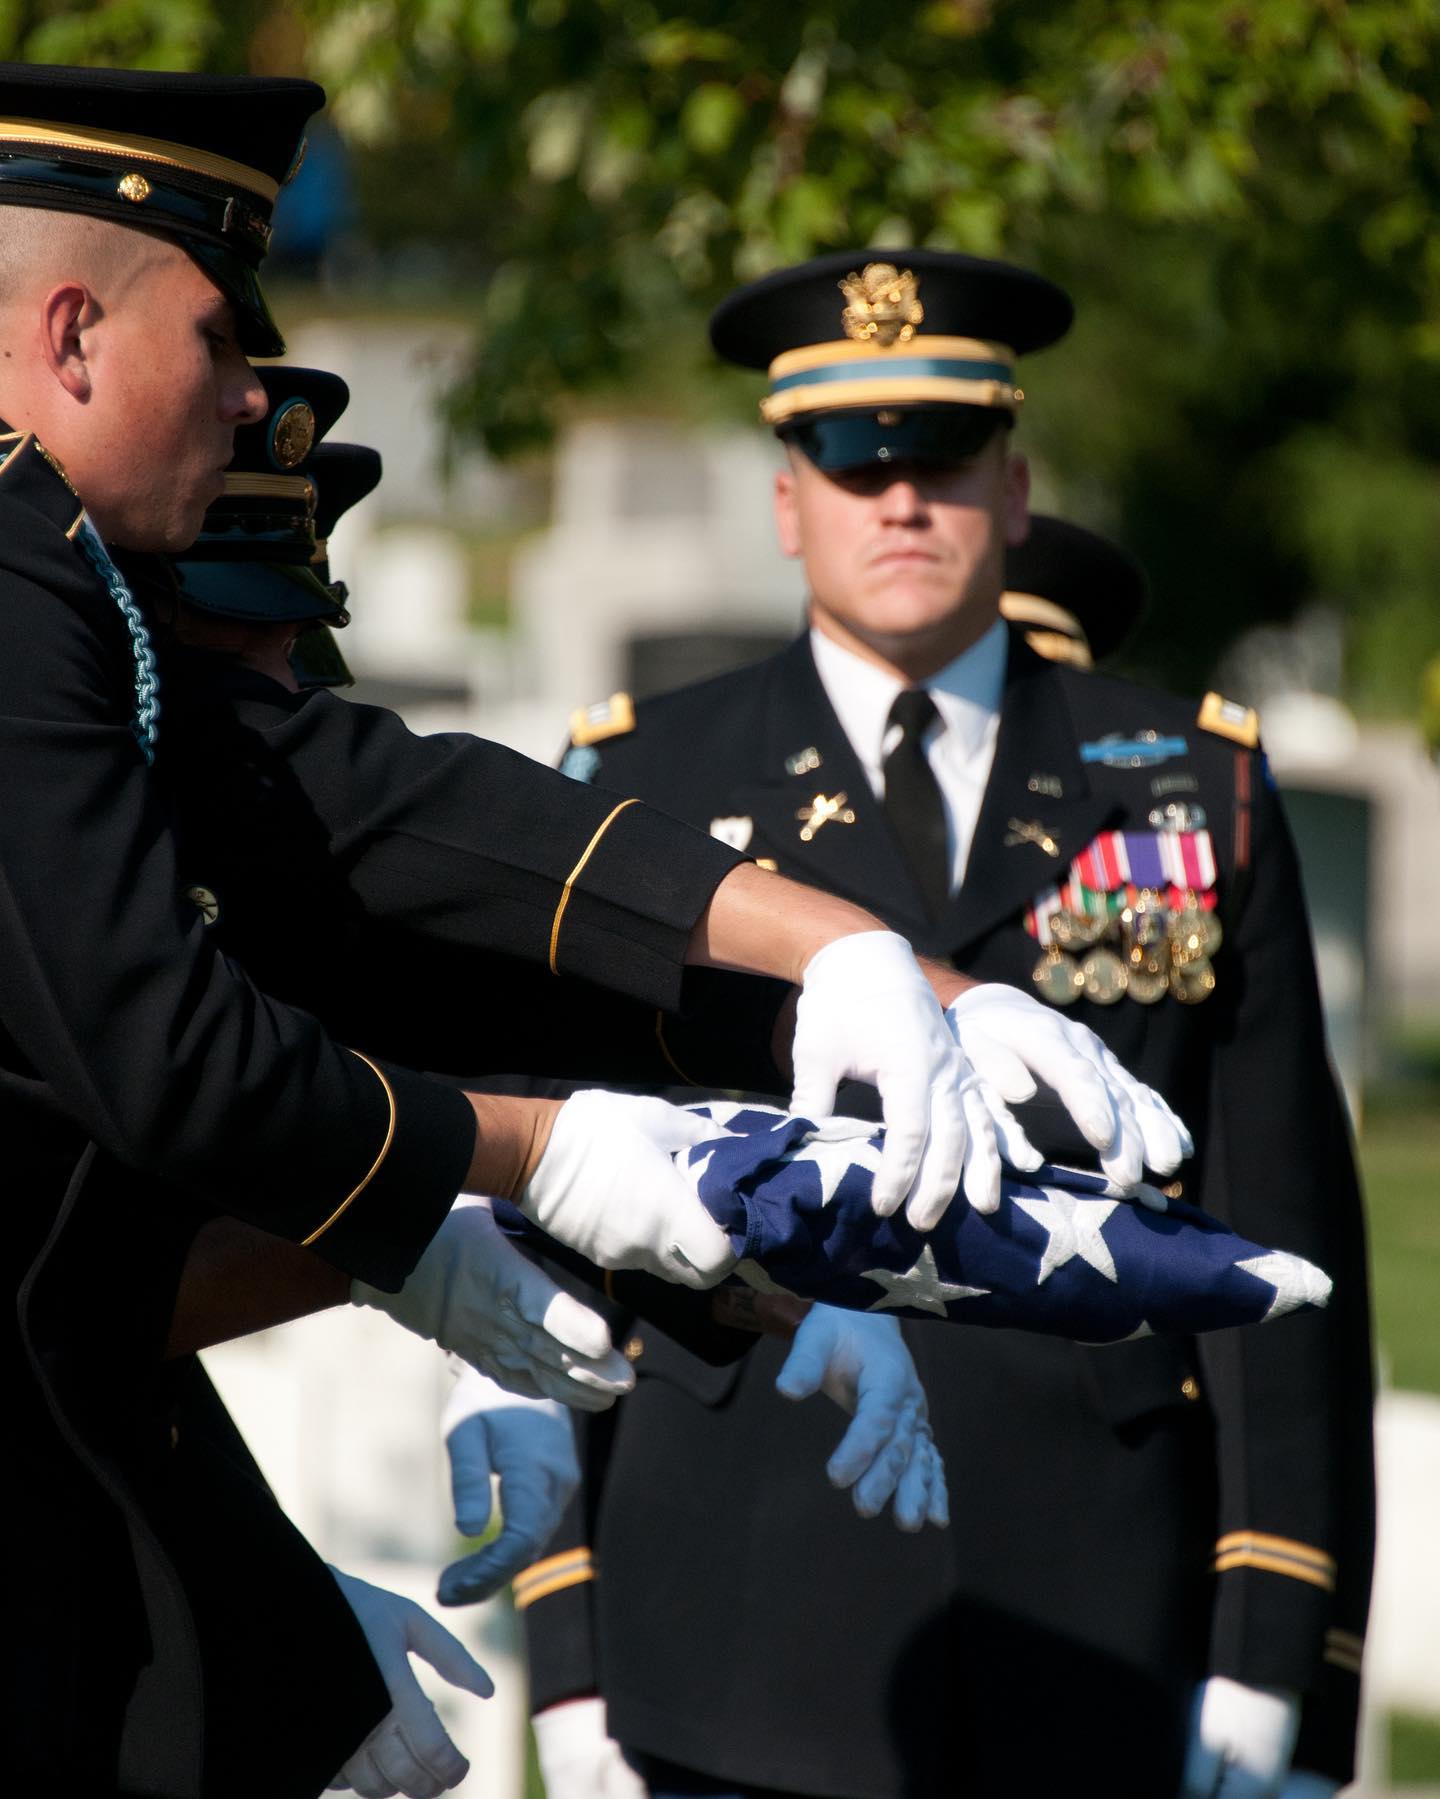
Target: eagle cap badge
x,y
882,305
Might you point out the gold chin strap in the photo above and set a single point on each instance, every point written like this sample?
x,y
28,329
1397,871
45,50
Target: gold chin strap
x,y
48,136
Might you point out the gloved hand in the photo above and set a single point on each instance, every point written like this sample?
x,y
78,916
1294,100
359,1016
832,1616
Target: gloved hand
x,y
409,1750
1241,1741
607,1187
474,1293
868,1013
529,1444
1301,1784
1009,1039
860,1360
578,1757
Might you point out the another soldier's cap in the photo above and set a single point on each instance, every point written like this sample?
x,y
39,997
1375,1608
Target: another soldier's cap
x,y
1077,595
259,556
199,158
344,474
880,356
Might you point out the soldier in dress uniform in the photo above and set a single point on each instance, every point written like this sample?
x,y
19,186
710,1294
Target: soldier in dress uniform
x,y
1159,1559
152,1090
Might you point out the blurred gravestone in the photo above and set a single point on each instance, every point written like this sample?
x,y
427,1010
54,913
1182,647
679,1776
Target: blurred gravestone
x,y
1332,835
659,661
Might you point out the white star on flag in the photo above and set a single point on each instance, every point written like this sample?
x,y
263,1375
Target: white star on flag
x,y
921,1287
835,1152
1072,1227
1295,1280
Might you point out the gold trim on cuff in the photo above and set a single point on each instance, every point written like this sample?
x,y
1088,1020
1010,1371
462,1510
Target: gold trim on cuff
x,y
1274,1564
355,1193
552,1575
574,876
1259,1539
665,1051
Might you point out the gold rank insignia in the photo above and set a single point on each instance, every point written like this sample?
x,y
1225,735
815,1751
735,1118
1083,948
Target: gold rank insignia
x,y
1228,718
606,718
882,305
820,811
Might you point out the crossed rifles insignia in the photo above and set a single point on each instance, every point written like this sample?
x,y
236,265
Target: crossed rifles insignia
x,y
820,811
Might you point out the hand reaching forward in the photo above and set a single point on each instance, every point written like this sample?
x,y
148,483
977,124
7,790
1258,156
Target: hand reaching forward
x,y
1011,1041
473,1293
529,1445
1241,1741
860,1361
409,1751
866,1012
607,1186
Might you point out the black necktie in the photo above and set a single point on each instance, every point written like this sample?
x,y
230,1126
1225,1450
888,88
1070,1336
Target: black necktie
x,y
913,802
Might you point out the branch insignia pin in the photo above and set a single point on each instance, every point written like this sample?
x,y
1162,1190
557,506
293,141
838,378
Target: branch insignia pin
x,y
1030,830
820,811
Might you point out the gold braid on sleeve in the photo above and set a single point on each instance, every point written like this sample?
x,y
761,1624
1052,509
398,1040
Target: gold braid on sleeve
x,y
374,1168
574,876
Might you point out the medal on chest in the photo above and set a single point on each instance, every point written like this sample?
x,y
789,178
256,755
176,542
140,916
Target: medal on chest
x,y
1134,918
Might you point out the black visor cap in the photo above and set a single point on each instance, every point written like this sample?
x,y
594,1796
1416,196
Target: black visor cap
x,y
257,592
255,330
839,441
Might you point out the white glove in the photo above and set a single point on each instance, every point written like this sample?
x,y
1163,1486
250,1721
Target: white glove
x,y
867,1012
860,1360
1241,1740
409,1750
474,1293
1303,1785
606,1186
578,1757
530,1446
1009,1039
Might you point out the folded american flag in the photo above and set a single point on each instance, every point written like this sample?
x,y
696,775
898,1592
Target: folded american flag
x,y
1065,1253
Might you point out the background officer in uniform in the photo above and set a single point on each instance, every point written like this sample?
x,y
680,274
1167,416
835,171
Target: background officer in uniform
x,y
1158,1548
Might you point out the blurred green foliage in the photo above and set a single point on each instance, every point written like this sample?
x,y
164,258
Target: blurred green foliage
x,y
1241,194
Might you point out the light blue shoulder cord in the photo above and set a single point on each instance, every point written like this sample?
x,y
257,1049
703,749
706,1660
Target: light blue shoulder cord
x,y
146,722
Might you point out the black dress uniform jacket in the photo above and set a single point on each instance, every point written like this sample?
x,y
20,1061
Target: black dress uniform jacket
x,y
180,1638
741,1620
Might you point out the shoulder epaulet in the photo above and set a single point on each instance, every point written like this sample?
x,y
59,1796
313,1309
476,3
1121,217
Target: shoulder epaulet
x,y
1228,718
606,718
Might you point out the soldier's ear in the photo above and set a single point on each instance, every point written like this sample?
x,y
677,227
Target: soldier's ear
x,y
787,514
66,314
1015,503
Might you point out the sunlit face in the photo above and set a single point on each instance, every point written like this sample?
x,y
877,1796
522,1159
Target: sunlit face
x,y
905,562
168,385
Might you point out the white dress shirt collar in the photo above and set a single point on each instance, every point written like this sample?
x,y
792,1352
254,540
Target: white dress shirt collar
x,y
967,694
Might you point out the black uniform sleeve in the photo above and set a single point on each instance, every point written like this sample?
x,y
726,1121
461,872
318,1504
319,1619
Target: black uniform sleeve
x,y
555,1595
159,1050
468,843
1293,1556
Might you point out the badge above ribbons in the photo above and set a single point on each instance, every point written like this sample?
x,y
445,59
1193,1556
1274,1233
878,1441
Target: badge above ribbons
x,y
1135,916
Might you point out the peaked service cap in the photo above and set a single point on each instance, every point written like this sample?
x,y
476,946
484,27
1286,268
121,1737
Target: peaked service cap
x,y
198,158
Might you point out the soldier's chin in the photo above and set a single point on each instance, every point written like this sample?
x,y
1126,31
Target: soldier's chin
x,y
183,520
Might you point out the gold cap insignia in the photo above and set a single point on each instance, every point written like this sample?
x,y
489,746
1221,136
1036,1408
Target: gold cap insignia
x,y
882,305
292,435
133,187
